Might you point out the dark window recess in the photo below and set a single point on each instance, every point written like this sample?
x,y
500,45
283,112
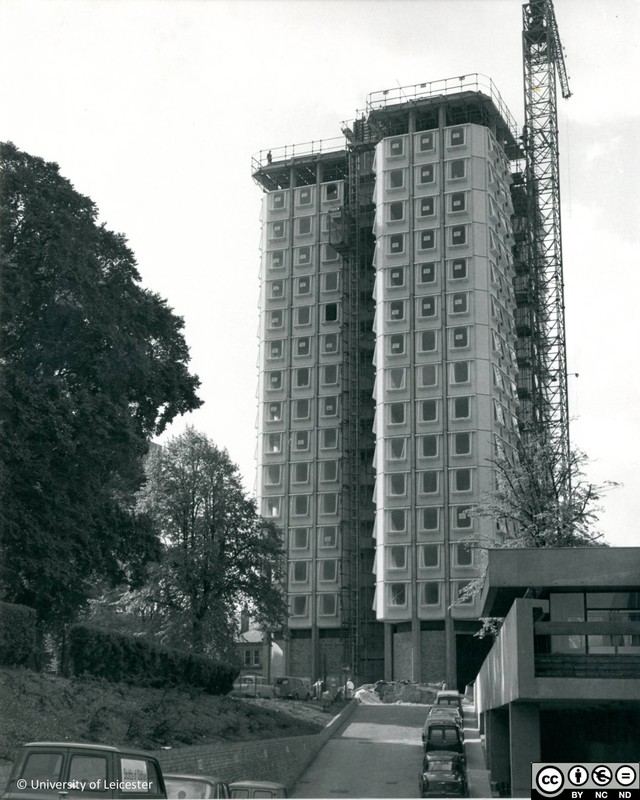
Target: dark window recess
x,y
459,268
427,173
427,272
458,201
429,446
427,206
331,312
396,243
426,141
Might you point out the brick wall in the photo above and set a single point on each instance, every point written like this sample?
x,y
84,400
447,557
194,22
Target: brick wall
x,y
433,667
331,655
300,657
402,667
432,656
282,760
5,771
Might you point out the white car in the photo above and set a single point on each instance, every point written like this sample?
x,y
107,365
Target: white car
x,y
253,686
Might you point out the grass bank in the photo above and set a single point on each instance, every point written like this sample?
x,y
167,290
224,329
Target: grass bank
x,y
42,707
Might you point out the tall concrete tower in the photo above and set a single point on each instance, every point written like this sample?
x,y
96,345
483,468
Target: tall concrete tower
x,y
388,376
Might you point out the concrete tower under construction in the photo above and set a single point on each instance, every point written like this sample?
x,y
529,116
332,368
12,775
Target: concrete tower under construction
x,y
388,376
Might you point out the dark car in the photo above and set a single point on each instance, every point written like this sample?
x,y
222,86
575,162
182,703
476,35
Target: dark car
x,y
195,787
449,698
443,775
295,688
446,713
51,770
439,734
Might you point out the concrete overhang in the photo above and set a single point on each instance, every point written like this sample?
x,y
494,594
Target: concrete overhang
x,y
513,573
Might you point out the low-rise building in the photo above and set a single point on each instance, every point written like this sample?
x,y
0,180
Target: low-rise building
x,y
258,652
562,680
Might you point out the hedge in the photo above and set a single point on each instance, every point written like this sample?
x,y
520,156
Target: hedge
x,y
120,658
17,635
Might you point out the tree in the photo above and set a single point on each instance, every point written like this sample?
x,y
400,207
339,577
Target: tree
x,y
540,500
219,555
92,366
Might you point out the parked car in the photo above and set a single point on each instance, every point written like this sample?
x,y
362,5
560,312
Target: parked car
x,y
257,789
442,735
253,686
449,697
440,717
51,770
296,688
446,713
194,787
443,775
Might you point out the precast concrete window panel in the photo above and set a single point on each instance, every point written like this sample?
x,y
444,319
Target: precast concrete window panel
x,y
299,538
273,443
429,482
429,446
328,537
429,593
396,211
458,269
397,448
426,142
396,277
429,556
300,441
395,147
427,376
396,378
426,272
427,341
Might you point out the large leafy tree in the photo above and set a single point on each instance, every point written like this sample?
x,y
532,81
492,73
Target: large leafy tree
x,y
543,499
219,555
540,499
92,365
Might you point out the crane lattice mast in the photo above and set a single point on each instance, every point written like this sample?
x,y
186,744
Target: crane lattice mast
x,y
547,411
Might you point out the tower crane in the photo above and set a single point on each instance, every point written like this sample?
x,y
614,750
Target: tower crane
x,y
543,347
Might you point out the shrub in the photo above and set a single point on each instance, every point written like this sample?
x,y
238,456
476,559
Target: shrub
x,y
116,658
17,635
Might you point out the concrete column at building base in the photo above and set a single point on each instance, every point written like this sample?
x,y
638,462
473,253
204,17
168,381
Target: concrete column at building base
x,y
497,742
524,724
415,650
314,672
388,651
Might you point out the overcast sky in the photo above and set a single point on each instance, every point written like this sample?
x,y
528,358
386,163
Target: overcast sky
x,y
153,109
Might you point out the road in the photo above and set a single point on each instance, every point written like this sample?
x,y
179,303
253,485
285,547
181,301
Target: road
x,y
378,753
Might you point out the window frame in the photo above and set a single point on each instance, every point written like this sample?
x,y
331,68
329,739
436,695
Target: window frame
x,y
293,532
398,595
422,594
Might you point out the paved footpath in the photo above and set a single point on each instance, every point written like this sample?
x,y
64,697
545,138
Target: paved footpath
x,y
378,753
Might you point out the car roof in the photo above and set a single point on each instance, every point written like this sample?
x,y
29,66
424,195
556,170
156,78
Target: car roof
x,y
440,755
183,777
448,693
75,744
89,746
440,722
259,784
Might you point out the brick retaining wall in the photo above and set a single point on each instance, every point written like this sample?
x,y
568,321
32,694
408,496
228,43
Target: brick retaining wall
x,y
282,760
